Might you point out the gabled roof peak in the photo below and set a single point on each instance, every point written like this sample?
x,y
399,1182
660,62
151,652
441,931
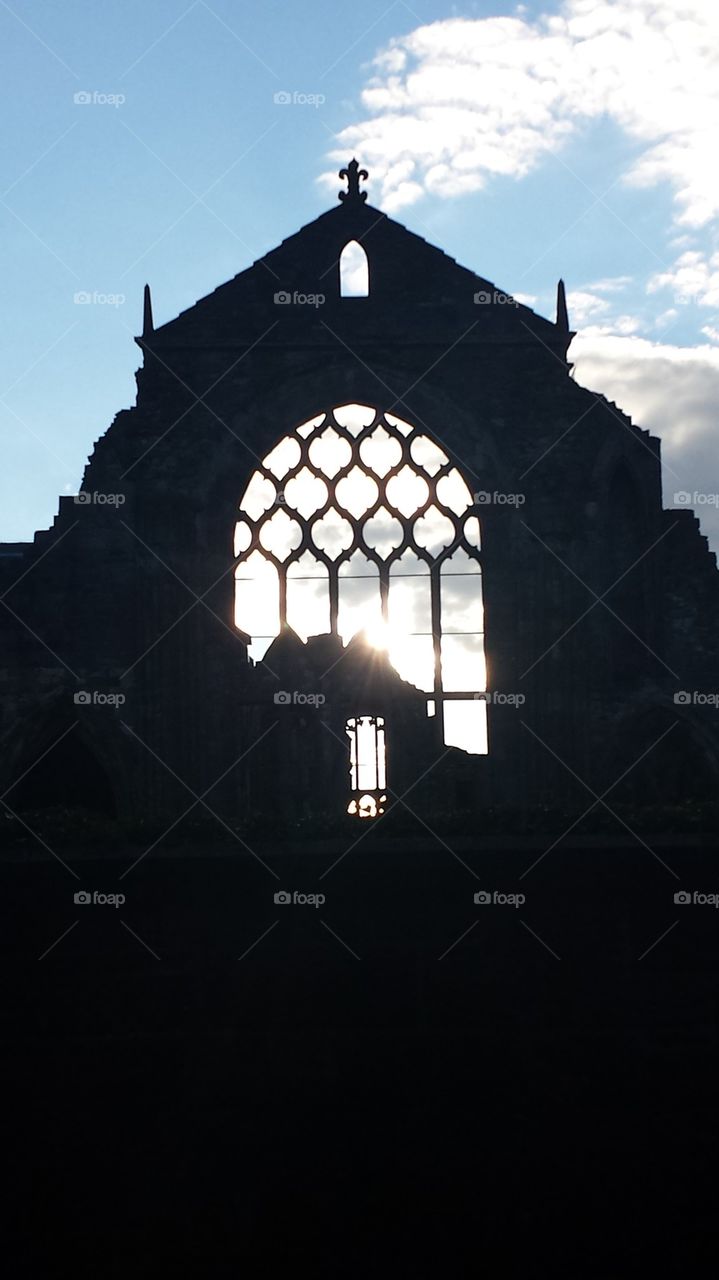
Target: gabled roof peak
x,y
416,292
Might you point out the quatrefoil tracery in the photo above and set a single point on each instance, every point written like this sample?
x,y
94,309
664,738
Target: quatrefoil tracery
x,y
354,478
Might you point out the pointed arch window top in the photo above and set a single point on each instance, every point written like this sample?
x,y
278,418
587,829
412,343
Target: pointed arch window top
x,y
354,271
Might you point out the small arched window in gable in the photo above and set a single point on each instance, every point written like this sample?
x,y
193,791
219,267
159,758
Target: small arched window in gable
x,y
354,271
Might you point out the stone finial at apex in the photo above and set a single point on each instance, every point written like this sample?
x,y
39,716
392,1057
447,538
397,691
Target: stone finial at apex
x,y
562,312
147,323
354,175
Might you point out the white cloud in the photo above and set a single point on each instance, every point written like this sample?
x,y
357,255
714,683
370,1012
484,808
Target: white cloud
x,y
666,318
457,101
617,326
591,312
693,278
671,391
611,284
583,306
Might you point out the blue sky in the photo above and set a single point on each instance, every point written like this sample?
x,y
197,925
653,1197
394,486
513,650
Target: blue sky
x,y
529,142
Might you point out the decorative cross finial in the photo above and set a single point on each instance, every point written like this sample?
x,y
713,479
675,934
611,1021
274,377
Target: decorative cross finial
x,y
353,174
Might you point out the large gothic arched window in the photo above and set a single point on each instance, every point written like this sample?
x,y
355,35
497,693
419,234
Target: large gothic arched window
x,y
358,521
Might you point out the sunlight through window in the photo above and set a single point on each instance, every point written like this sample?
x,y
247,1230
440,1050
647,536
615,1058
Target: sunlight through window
x,y
359,522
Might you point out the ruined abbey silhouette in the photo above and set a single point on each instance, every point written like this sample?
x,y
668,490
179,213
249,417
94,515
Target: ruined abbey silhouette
x,y
361,537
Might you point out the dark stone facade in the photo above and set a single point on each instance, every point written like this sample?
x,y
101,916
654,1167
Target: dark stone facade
x,y
137,599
